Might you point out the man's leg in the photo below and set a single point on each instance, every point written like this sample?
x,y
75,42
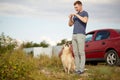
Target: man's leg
x,y
81,47
75,50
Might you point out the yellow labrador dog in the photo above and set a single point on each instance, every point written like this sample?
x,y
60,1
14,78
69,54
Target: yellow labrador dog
x,y
67,58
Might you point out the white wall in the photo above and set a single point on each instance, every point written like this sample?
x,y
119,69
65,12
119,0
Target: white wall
x,y
56,50
37,51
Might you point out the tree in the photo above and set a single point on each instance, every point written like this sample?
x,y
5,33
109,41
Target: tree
x,y
28,45
31,44
7,43
63,41
44,44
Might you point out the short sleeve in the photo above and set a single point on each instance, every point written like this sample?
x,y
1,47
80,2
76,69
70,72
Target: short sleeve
x,y
86,14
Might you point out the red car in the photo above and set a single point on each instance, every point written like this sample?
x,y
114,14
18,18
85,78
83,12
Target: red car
x,y
103,45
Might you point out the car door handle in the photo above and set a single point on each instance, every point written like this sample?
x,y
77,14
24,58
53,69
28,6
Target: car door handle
x,y
86,45
103,43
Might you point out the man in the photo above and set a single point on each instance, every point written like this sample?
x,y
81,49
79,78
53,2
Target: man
x,y
79,20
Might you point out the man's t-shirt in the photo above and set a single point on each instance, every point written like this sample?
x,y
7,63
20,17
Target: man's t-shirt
x,y
79,26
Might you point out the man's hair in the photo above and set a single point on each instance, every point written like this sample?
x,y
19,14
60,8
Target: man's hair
x,y
77,2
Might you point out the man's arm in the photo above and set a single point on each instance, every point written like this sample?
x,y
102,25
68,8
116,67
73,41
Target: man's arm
x,y
71,22
83,19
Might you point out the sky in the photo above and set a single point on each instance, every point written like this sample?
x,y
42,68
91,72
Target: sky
x,y
38,20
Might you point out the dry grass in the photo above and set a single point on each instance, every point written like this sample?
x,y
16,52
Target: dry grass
x,y
45,68
53,70
104,72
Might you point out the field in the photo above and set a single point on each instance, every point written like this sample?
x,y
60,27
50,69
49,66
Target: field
x,y
19,66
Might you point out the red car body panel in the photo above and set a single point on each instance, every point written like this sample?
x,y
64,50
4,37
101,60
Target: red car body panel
x,y
96,49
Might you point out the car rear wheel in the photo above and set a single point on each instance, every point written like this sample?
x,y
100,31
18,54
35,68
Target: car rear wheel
x,y
112,58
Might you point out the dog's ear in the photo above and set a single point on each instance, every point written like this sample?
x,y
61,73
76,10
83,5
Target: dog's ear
x,y
60,53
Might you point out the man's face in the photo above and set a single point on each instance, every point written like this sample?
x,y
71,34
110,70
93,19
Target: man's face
x,y
78,7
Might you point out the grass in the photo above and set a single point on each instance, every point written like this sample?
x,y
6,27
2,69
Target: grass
x,y
53,70
103,72
26,67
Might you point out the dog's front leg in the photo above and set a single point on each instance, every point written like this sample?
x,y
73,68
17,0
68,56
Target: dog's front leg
x,y
69,67
65,69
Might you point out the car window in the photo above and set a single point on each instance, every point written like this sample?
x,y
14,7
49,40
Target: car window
x,y
118,30
102,35
89,37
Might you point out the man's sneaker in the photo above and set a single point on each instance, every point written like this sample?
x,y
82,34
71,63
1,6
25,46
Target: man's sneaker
x,y
78,72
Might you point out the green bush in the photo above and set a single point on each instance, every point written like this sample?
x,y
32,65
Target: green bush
x,y
16,66
7,44
19,66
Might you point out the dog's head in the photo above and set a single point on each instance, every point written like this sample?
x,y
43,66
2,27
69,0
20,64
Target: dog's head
x,y
67,45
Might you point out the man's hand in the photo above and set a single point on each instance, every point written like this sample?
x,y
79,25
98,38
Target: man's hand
x,y
71,20
83,19
71,16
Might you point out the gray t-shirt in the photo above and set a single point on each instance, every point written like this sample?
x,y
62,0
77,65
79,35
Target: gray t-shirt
x,y
79,26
